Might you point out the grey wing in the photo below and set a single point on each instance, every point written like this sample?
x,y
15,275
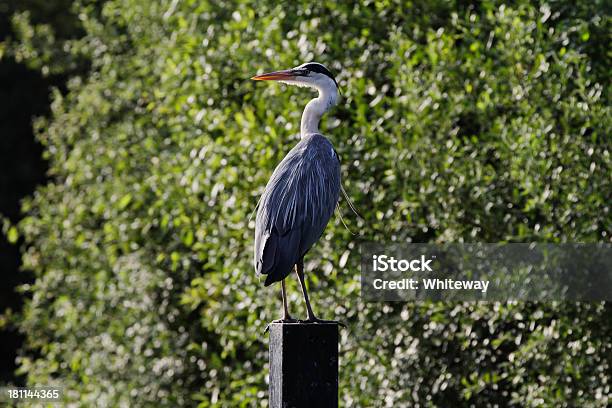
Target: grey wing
x,y
295,207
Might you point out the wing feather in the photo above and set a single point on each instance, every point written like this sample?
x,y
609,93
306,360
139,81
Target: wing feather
x,y
295,207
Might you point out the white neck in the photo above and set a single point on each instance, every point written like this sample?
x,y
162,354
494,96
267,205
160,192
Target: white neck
x,y
328,95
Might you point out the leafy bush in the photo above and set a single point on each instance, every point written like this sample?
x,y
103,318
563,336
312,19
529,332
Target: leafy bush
x,y
457,123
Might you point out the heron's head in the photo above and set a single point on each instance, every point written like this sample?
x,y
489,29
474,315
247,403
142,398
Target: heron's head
x,y
311,74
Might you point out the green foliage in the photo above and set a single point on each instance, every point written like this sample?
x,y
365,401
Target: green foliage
x,y
456,123
45,32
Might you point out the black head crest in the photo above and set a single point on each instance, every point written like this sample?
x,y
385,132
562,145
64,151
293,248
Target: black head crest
x,y
319,68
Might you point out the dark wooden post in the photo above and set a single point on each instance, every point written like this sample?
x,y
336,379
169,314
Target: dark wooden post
x,y
303,365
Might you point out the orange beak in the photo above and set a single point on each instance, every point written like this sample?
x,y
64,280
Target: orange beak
x,y
275,76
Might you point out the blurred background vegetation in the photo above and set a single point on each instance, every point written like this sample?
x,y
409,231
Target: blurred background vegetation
x,y
459,122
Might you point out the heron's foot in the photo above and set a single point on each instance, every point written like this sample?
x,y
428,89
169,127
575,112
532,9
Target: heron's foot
x,y
317,320
288,319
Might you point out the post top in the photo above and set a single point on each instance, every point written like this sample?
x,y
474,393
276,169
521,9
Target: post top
x,y
306,323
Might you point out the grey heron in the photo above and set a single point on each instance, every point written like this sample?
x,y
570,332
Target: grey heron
x,y
303,191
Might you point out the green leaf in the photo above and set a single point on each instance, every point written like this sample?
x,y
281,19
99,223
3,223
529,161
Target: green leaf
x,y
12,235
125,201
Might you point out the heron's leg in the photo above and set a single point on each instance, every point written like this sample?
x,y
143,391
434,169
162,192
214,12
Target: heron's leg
x,y
286,315
299,270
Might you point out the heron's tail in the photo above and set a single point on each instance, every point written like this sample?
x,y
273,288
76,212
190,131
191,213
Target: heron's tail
x,y
272,278
279,255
